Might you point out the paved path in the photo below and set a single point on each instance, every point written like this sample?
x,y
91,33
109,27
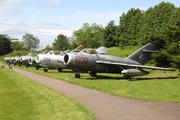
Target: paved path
x,y
106,106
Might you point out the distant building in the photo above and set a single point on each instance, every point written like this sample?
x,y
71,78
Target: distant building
x,y
12,39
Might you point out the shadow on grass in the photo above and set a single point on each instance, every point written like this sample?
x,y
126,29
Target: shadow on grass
x,y
103,77
56,71
153,78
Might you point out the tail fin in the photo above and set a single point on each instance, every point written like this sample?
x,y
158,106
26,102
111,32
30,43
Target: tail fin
x,y
101,50
142,55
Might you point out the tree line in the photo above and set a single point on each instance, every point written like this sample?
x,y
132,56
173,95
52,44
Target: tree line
x,y
159,24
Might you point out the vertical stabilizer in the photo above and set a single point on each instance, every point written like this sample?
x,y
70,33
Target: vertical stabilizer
x,y
142,55
101,50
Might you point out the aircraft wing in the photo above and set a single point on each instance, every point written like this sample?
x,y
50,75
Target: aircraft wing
x,y
133,65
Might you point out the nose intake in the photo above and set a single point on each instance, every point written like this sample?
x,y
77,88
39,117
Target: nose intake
x,y
66,59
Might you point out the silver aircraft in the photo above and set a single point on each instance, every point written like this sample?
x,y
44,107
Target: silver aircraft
x,y
54,59
50,61
24,59
129,66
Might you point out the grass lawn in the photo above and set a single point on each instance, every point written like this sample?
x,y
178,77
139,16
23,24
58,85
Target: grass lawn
x,y
23,99
156,86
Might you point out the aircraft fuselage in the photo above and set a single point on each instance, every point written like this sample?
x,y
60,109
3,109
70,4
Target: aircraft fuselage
x,y
87,62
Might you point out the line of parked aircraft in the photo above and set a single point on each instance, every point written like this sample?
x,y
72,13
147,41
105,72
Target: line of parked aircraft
x,y
91,61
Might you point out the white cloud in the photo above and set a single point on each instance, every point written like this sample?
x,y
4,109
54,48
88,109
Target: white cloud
x,y
45,31
6,6
55,32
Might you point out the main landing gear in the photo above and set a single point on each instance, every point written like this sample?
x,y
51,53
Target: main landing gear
x,y
127,77
37,67
59,69
77,75
92,74
27,65
45,69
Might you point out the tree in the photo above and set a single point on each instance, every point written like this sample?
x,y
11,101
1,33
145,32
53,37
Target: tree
x,y
61,43
174,20
5,45
155,20
48,47
168,44
110,38
89,36
30,42
129,27
18,45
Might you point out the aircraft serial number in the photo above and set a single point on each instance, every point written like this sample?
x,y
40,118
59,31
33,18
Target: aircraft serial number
x,y
46,59
81,60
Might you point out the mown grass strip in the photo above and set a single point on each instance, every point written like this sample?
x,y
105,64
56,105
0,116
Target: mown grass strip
x,y
157,86
23,99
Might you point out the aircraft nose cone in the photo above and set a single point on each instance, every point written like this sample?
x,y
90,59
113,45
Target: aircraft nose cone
x,y
30,61
21,59
37,59
66,59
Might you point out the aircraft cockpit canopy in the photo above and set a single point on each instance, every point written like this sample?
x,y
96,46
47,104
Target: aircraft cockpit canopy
x,y
64,52
89,51
57,52
32,54
46,51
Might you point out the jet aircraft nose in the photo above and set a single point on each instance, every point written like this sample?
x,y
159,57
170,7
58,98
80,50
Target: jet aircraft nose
x,y
22,58
66,59
17,59
37,59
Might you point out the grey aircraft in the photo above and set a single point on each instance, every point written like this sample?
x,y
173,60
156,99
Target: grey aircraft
x,y
129,66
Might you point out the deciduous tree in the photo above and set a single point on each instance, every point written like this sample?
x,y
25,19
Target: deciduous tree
x,y
5,45
110,32
30,42
61,42
89,35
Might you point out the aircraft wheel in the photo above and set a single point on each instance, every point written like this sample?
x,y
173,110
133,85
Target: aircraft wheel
x,y
77,75
59,69
93,74
45,70
27,66
37,67
127,77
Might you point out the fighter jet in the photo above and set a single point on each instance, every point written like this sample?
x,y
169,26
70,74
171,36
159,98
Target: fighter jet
x,y
24,59
54,60
32,60
6,59
17,61
129,66
50,60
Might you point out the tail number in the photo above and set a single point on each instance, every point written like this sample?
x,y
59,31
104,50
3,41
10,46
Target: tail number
x,y
81,60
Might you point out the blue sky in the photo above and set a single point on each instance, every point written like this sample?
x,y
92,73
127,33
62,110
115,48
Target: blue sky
x,y
46,19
